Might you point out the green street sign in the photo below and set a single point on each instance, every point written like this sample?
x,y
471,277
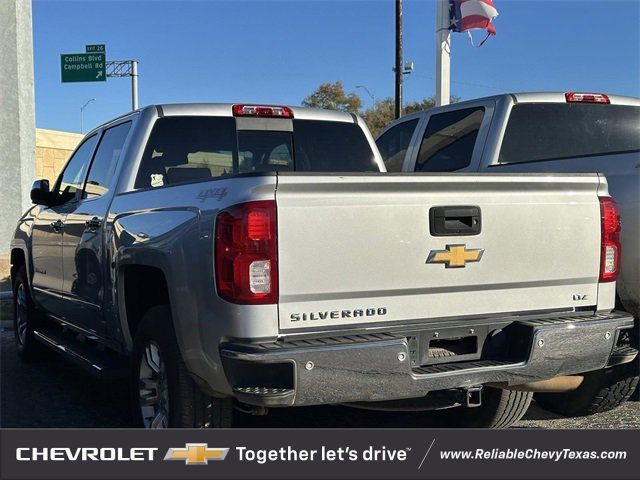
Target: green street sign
x,y
95,49
83,67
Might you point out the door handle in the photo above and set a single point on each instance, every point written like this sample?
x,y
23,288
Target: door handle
x,y
94,223
57,226
455,221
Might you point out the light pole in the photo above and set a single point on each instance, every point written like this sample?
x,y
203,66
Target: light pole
x,y
373,98
82,114
398,67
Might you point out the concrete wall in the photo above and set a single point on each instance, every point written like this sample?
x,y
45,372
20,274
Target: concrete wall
x,y
53,148
17,115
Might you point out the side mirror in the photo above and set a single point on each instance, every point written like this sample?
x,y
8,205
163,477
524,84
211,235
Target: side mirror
x,y
40,194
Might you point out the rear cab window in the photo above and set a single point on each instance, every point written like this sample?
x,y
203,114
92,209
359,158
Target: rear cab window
x,y
552,131
188,148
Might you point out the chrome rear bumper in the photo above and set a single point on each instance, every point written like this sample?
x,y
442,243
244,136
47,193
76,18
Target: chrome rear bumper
x,y
378,367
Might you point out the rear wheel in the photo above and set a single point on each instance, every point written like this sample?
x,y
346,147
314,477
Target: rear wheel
x,y
25,319
601,391
164,394
500,409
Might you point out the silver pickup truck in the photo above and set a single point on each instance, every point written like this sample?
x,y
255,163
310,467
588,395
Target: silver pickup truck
x,y
542,132
257,257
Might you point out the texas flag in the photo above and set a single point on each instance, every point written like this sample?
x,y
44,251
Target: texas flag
x,y
469,14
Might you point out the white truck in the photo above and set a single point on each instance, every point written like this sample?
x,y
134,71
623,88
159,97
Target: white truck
x,y
257,256
543,133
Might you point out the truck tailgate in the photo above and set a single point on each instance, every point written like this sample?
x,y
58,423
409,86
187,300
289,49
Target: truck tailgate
x,y
353,249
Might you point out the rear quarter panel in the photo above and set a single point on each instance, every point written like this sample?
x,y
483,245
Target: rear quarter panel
x,y
172,228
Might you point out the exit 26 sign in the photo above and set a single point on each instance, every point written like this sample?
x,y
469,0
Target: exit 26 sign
x,y
84,67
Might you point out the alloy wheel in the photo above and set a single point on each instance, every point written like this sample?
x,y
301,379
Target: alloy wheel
x,y
21,313
153,388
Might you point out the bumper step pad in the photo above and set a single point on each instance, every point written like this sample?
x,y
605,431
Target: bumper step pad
x,y
264,396
455,367
622,354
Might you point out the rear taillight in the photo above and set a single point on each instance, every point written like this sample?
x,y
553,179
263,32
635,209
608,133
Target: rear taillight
x,y
246,262
574,97
271,111
610,240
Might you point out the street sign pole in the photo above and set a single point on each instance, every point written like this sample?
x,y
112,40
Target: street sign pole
x,y
126,68
443,54
134,85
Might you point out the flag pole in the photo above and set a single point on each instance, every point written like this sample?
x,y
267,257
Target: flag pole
x,y
443,53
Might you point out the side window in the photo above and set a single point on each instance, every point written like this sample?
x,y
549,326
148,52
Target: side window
x,y
184,149
394,142
72,178
105,160
449,140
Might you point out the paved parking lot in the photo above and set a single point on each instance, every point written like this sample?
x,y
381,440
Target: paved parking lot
x,y
56,393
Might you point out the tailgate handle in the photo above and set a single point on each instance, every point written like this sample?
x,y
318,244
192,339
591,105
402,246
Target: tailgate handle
x,y
454,220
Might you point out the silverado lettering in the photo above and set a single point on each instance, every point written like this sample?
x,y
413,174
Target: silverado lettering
x,y
368,312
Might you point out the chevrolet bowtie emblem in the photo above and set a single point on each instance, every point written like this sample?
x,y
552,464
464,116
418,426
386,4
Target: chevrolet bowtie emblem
x,y
196,454
455,256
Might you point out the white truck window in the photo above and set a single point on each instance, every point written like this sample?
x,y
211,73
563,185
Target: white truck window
x,y
449,140
550,131
183,149
265,151
393,144
322,146
315,145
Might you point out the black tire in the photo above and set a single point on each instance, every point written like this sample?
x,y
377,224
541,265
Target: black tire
x,y
188,406
25,320
499,409
601,391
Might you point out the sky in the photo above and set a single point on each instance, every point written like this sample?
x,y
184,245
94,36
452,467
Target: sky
x,y
279,52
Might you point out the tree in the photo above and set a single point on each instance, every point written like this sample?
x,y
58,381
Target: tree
x,y
333,97
414,106
380,115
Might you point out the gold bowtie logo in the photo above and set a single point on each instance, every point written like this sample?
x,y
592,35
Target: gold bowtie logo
x,y
455,256
196,454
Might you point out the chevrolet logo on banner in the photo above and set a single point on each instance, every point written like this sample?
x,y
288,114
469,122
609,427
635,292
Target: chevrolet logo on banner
x,y
196,454
455,256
